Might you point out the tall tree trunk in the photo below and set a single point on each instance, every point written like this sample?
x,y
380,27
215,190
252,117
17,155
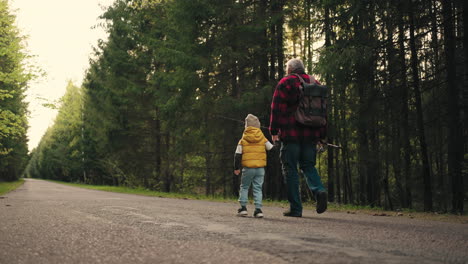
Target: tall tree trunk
x,y
263,40
331,119
167,167
438,135
279,38
331,173
309,36
388,199
273,45
208,173
208,156
396,124
338,177
349,183
373,167
455,138
465,88
363,83
235,180
236,89
404,101
348,188
420,118
395,90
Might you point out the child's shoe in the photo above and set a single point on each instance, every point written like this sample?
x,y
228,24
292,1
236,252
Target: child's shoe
x,y
258,213
242,211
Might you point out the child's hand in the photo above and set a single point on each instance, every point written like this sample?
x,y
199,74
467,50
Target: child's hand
x,y
236,172
320,147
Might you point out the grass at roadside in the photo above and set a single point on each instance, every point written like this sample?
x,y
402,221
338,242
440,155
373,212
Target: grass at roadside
x,y
146,192
332,207
6,187
379,212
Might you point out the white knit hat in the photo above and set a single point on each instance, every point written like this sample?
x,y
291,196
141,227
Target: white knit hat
x,y
252,121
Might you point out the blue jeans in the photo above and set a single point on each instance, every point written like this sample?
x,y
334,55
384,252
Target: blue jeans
x,y
304,154
255,177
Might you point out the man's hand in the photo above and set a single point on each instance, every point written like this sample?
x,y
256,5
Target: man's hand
x,y
275,138
236,172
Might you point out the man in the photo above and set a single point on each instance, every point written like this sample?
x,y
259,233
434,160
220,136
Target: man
x,y
299,142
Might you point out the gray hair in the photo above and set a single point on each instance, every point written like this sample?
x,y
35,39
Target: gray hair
x,y
294,66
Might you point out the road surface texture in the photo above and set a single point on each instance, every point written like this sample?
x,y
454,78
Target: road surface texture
x,y
44,222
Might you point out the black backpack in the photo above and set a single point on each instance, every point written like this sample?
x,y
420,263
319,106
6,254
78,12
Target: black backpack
x,y
312,108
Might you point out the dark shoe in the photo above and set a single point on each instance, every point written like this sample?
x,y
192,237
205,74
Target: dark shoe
x,y
242,211
258,213
321,199
292,214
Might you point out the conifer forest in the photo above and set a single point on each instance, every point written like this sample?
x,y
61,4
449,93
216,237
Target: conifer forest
x,y
164,98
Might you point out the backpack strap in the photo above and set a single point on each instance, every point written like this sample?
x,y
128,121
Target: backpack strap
x,y
300,78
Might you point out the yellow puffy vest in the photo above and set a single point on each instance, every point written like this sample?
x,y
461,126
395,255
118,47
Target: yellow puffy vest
x,y
253,148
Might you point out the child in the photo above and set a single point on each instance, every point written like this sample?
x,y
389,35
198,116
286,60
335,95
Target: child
x,y
251,154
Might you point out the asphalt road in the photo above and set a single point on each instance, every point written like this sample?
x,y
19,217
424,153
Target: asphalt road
x,y
44,222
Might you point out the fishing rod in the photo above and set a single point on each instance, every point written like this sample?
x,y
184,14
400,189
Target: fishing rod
x,y
236,120
242,122
332,145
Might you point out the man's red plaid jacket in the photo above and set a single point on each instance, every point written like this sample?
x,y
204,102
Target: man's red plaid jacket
x,y
284,104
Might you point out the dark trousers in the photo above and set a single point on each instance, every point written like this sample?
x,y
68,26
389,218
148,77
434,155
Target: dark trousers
x,y
304,155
